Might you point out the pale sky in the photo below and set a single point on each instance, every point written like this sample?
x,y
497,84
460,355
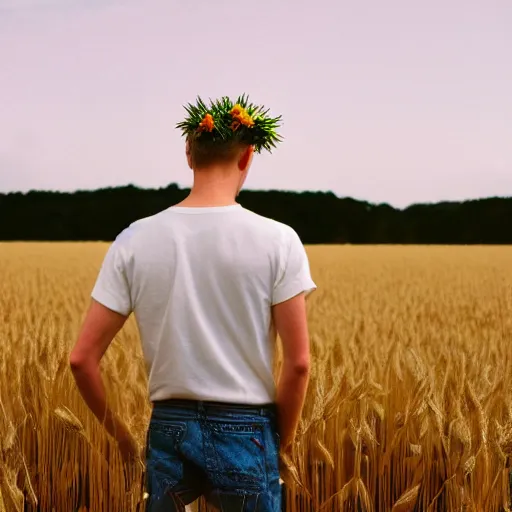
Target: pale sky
x,y
394,101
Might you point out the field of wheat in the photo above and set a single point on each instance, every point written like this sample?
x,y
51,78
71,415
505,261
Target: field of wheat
x,y
409,406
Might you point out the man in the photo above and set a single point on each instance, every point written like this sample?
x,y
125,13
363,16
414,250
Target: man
x,y
210,284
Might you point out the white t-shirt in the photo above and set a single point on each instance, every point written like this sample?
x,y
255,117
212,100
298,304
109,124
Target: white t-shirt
x,y
201,283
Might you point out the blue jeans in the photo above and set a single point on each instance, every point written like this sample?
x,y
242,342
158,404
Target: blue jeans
x,y
227,453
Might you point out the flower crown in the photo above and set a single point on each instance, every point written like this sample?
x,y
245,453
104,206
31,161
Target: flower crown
x,y
224,120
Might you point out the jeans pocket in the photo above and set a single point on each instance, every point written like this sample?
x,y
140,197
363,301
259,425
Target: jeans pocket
x,y
240,457
164,465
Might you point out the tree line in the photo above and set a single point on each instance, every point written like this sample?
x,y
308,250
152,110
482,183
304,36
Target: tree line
x,y
318,217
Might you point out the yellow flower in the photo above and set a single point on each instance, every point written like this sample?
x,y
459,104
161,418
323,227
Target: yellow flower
x,y
237,110
242,116
207,124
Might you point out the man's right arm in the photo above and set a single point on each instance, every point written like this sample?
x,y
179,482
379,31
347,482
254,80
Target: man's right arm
x,y
291,324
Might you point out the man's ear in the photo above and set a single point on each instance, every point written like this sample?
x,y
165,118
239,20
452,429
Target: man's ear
x,y
246,158
187,152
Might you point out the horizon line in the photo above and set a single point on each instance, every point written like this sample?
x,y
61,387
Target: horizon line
x,y
289,191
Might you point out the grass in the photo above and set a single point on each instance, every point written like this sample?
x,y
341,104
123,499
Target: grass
x,y
409,406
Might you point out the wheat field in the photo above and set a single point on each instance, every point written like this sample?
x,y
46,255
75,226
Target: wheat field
x,y
409,406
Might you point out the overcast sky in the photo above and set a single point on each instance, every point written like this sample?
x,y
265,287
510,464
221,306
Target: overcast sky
x,y
394,101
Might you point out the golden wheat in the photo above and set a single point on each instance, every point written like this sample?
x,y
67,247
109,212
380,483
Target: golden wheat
x,y
409,406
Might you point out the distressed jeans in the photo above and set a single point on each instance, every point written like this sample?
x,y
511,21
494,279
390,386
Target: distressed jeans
x,y
227,453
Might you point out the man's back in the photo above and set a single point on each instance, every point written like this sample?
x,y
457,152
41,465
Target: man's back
x,y
201,282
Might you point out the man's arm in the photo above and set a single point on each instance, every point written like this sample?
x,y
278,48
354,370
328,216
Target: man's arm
x,y
98,330
291,324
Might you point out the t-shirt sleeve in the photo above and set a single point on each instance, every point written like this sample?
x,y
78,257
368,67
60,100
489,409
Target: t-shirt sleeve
x,y
112,287
295,276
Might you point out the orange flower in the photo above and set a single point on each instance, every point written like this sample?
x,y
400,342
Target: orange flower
x,y
242,116
206,124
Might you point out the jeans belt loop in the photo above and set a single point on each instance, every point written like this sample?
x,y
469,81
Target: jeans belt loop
x,y
201,410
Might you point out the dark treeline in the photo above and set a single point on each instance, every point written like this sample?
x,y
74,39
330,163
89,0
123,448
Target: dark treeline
x,y
318,217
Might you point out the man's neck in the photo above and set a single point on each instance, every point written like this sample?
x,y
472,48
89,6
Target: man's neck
x,y
196,200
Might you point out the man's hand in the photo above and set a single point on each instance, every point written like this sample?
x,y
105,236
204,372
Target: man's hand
x,y
287,448
287,443
130,451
